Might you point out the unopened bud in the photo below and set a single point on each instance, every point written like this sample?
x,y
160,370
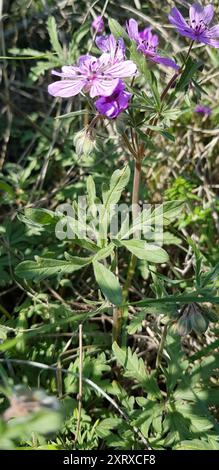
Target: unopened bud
x,y
84,141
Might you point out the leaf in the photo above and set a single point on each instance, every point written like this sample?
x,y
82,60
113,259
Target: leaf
x,y
104,252
194,444
168,135
104,428
6,192
41,216
190,69
136,323
143,250
118,182
140,61
74,114
135,369
154,90
108,283
91,194
46,267
169,211
53,35
117,30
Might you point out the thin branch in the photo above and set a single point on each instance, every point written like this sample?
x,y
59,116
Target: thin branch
x,y
79,397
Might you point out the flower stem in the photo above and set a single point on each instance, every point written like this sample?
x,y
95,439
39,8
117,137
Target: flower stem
x,y
133,259
175,76
161,346
168,86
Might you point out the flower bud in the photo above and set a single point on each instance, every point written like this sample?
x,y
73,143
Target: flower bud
x,y
84,142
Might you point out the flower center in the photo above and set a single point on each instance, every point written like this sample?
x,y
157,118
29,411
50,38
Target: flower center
x,y
149,47
199,27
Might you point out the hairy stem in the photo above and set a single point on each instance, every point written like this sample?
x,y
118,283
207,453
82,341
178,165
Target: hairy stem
x,y
176,75
133,259
79,397
161,346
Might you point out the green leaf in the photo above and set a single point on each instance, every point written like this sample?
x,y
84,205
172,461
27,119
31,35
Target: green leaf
x,y
135,369
118,182
154,90
53,35
41,216
46,267
117,30
74,114
190,69
194,444
143,250
91,193
170,211
140,61
6,192
108,283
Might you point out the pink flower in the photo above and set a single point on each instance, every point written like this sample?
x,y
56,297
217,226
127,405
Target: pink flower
x,y
147,43
197,28
98,24
97,76
112,106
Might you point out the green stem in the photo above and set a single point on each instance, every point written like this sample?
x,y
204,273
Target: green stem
x,y
133,260
161,346
122,316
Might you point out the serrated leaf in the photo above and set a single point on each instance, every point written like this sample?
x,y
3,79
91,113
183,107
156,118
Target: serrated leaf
x,y
53,35
134,368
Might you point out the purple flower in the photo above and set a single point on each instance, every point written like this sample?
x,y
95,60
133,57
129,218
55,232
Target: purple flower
x,y
108,44
202,109
113,105
147,43
98,24
197,28
98,77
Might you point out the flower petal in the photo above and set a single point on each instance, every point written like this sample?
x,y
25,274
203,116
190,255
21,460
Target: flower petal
x,y
206,39
103,87
106,43
132,29
177,19
196,13
124,69
66,88
213,32
208,14
144,34
188,33
165,61
70,70
109,109
67,73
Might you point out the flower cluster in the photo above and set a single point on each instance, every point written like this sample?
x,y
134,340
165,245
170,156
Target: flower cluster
x,y
102,77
